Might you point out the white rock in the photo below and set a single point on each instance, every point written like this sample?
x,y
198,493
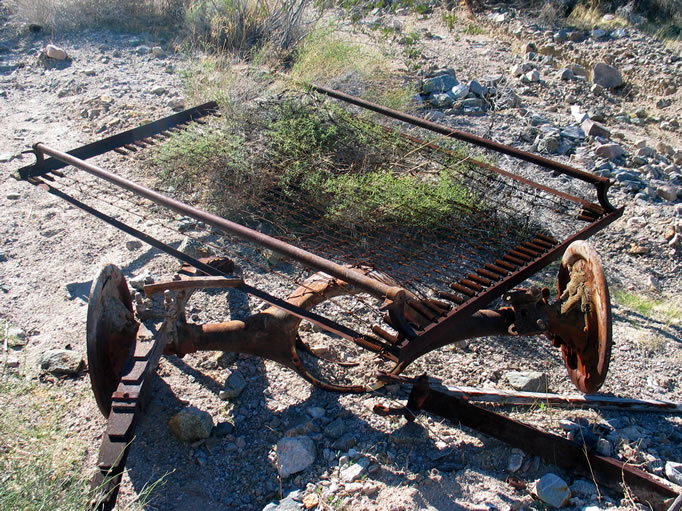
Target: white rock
x,y
294,454
234,385
578,114
355,470
527,381
354,487
673,471
55,52
553,490
604,447
459,91
517,70
531,76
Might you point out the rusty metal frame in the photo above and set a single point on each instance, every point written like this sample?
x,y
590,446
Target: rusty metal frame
x,y
415,338
612,473
443,326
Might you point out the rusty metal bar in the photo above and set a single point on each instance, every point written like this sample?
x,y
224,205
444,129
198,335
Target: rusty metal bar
x,y
354,278
552,448
127,403
120,139
321,321
502,172
601,182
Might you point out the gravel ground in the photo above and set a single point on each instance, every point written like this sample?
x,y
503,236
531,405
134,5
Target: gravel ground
x,y
50,253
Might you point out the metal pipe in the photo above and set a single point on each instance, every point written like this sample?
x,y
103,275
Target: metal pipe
x,y
461,135
374,287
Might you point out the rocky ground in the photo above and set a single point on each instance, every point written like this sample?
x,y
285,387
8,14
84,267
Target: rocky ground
x,y
274,435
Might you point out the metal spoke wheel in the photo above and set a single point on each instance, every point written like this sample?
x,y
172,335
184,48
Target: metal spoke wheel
x,y
584,293
111,333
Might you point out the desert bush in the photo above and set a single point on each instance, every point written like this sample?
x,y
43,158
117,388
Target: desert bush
x,y
242,26
127,15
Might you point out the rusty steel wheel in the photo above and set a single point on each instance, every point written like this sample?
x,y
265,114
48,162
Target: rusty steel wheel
x,y
584,295
111,332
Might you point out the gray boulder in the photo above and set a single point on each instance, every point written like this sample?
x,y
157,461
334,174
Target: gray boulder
x,y
440,100
478,89
609,151
294,454
234,385
60,361
440,83
527,381
553,490
594,129
607,76
191,425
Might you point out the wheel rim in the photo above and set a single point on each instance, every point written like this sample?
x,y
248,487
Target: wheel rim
x,y
588,354
111,333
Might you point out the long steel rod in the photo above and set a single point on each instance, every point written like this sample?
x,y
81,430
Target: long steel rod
x,y
354,278
461,135
324,323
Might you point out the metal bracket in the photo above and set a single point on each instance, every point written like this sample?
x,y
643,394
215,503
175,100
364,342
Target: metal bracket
x,y
530,316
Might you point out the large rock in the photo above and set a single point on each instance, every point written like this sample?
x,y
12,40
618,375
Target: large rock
x,y
610,151
594,129
60,361
440,83
527,381
606,76
476,88
440,100
667,192
294,454
553,490
577,69
194,248
459,91
234,385
354,471
55,52
191,425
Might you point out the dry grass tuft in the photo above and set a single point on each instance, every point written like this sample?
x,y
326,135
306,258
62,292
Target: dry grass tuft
x,y
128,15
